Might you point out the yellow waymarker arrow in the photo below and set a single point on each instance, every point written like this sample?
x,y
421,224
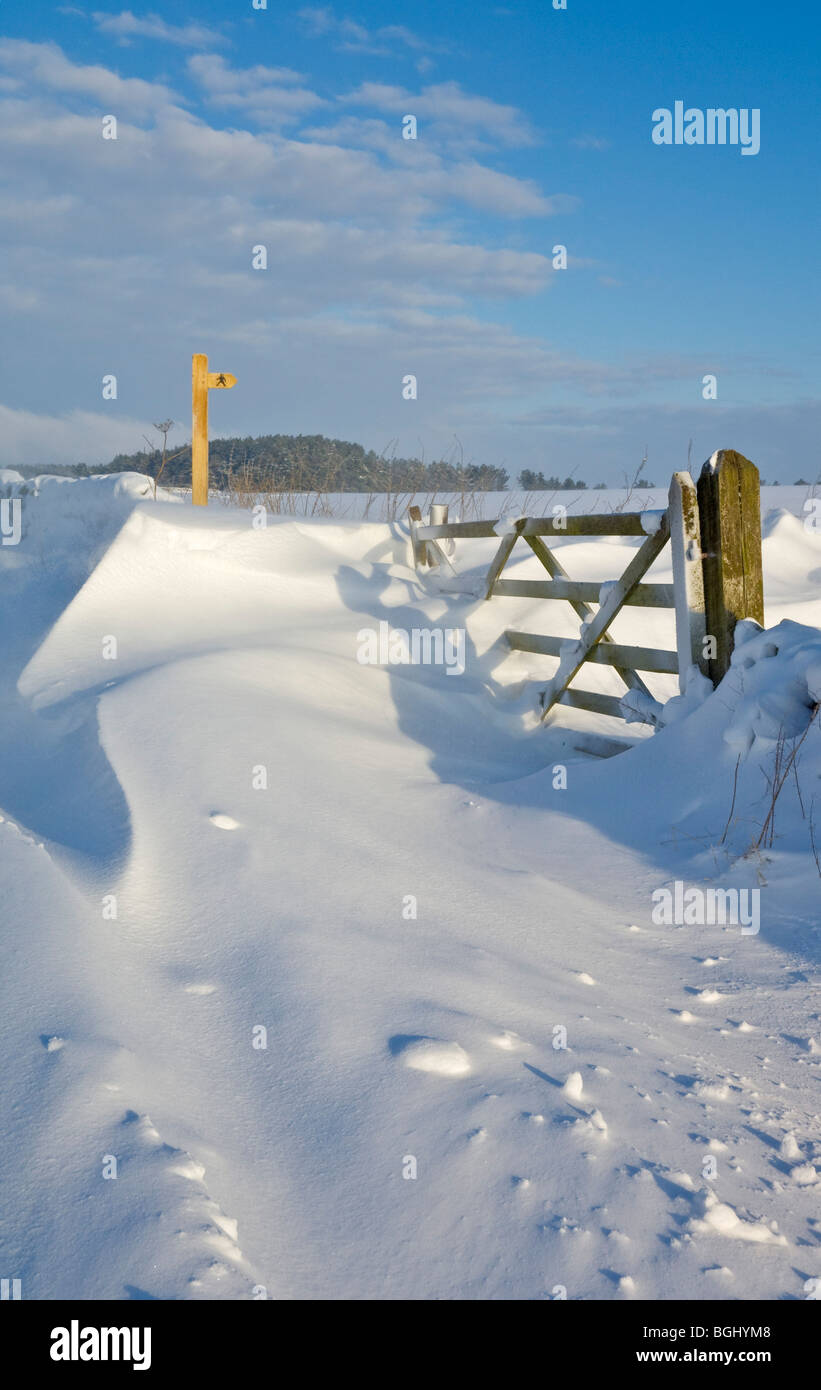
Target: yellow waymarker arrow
x,y
221,379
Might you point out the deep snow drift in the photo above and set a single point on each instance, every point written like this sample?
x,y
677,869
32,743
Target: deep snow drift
x,y
325,961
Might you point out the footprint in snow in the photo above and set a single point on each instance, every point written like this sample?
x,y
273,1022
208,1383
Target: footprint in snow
x,y
431,1055
204,1260
508,1041
804,1174
712,1217
711,1090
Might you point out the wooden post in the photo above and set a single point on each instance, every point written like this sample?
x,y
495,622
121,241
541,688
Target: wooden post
x,y
438,517
419,548
688,583
428,552
201,382
199,429
729,505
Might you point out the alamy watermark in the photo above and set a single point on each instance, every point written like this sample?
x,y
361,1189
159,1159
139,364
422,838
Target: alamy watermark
x,y
698,907
422,646
716,125
76,1343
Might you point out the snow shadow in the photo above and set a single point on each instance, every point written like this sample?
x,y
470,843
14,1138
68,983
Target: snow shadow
x,y
667,802
452,715
55,779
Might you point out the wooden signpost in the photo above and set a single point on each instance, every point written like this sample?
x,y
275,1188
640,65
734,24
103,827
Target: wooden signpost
x,y
202,381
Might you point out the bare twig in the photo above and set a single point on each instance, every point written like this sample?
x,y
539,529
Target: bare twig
x,y
779,778
732,803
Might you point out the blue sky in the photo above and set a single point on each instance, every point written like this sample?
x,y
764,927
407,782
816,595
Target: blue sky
x,y
282,127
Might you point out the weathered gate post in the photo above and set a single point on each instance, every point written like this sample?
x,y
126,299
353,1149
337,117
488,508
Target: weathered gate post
x,y
729,504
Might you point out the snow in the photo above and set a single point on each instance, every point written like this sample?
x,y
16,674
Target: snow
x,y
778,673
507,523
353,994
720,1217
432,1055
640,708
651,521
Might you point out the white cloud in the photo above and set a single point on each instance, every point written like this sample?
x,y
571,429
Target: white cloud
x,y
265,94
447,106
80,436
453,177
366,265
218,78
130,249
126,256
46,65
368,132
502,193
354,37
126,26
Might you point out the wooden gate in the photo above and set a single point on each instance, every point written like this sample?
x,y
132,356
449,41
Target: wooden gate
x,y
711,590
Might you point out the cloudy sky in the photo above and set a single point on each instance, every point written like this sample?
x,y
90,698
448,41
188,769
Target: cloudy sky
x,y
282,127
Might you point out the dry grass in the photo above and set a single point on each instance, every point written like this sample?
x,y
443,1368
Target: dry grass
x,y
784,763
288,495
279,494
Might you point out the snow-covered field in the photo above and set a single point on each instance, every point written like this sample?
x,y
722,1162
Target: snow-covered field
x,y
325,962
473,506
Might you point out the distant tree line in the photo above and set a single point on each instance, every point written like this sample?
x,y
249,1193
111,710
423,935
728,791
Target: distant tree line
x,y
537,482
308,462
311,462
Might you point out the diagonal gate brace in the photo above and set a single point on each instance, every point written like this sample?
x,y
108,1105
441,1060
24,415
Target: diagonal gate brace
x,y
574,658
